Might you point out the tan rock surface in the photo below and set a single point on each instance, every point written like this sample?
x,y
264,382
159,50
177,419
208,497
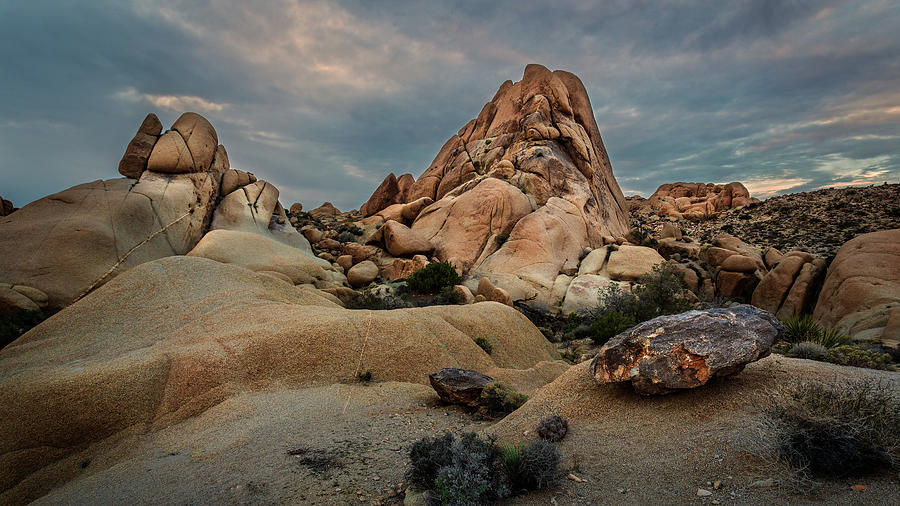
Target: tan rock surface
x,y
200,137
383,196
862,285
400,241
628,263
171,338
171,155
362,273
134,161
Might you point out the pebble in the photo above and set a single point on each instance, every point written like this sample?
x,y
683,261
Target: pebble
x,y
576,479
702,492
717,484
768,482
859,488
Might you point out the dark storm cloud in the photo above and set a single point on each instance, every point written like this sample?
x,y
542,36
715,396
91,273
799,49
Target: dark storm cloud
x,y
325,98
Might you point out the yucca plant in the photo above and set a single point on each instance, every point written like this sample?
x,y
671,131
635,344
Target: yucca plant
x,y
832,337
799,329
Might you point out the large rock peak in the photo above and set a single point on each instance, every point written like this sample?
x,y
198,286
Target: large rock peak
x,y
520,190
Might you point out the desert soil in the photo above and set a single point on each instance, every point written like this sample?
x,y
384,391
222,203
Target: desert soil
x,y
350,444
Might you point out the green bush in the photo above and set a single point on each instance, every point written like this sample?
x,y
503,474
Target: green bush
x,y
858,357
370,300
804,329
484,344
499,399
660,292
801,329
346,237
610,325
834,430
433,277
364,376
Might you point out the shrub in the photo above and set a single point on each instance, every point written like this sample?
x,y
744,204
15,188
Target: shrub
x,y
433,277
370,300
807,350
484,344
552,428
658,293
499,399
835,430
531,467
801,329
457,471
346,236
364,376
858,357
609,325
804,329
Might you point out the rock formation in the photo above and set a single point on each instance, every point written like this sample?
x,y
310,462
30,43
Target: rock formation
x,y
459,386
677,352
698,200
171,338
6,207
521,190
68,243
861,293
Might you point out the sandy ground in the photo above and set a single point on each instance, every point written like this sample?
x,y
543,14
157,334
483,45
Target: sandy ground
x,y
351,443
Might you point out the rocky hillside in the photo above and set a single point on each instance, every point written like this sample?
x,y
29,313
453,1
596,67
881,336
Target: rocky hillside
x,y
818,222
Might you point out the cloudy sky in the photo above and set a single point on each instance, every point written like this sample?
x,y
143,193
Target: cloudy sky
x,y
323,99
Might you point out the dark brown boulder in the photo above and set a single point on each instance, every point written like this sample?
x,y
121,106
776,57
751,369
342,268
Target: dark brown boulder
x,y
677,352
134,161
6,207
459,386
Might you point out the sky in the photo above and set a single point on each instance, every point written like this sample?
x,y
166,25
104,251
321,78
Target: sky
x,y
324,99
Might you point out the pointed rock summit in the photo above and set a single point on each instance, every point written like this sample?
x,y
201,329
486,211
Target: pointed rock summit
x,y
521,190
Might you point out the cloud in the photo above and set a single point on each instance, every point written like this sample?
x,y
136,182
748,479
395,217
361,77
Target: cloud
x,y
325,98
172,103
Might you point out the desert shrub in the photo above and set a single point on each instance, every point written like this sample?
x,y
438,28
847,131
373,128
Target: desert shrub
x,y
346,236
831,338
658,293
552,428
803,329
433,277
834,430
364,376
370,300
469,470
15,323
548,333
609,325
484,344
857,357
799,329
808,350
499,399
457,471
582,331
531,467
446,297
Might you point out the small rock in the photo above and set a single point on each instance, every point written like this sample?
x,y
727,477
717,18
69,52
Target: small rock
x,y
575,478
702,492
717,484
768,482
859,488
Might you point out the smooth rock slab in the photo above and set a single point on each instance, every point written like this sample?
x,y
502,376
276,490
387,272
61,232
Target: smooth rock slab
x,y
459,386
676,352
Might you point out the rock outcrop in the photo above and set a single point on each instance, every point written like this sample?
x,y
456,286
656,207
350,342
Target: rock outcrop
x,y
697,201
788,288
67,244
6,207
173,337
522,189
862,288
677,352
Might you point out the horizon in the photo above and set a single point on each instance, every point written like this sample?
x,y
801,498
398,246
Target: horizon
x,y
324,99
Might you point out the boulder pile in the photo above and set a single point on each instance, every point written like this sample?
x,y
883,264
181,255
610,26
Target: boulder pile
x,y
697,201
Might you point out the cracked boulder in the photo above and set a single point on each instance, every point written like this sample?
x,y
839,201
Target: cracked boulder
x,y
70,242
521,190
682,351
